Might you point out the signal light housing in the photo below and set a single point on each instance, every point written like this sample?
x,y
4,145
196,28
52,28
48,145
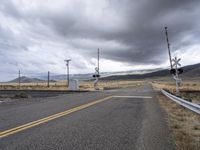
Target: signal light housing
x,y
180,70
96,76
173,71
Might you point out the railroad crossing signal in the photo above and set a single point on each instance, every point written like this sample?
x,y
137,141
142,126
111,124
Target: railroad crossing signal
x,y
176,71
176,62
96,76
173,71
175,65
97,70
180,70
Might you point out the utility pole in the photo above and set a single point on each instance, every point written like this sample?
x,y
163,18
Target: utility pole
x,y
19,80
48,79
98,59
67,64
168,46
97,73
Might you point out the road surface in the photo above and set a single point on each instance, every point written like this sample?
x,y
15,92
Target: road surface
x,y
123,119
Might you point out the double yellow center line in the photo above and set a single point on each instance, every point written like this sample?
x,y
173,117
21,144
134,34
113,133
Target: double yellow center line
x,y
49,118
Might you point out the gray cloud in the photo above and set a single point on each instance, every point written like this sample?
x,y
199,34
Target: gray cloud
x,y
126,31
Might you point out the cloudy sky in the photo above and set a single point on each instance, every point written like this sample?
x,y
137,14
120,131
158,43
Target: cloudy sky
x,y
36,36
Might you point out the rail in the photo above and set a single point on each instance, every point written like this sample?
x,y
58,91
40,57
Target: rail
x,y
182,102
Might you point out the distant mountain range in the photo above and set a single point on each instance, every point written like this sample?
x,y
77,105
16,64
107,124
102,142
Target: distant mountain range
x,y
191,71
103,75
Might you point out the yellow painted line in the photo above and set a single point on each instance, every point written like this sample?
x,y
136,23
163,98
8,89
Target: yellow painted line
x,y
49,118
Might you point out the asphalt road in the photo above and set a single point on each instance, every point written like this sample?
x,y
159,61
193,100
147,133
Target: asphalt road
x,y
130,120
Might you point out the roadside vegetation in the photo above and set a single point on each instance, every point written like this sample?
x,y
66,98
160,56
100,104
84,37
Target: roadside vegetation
x,y
34,86
16,96
183,123
190,90
115,84
62,85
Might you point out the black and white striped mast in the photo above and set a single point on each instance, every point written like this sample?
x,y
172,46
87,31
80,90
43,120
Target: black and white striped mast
x,y
168,46
175,71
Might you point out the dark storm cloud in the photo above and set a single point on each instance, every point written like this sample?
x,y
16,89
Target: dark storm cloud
x,y
129,31
141,29
144,33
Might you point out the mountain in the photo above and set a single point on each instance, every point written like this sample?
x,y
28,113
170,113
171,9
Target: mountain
x,y
25,79
88,76
190,71
62,77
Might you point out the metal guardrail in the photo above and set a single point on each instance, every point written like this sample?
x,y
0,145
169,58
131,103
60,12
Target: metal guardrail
x,y
182,102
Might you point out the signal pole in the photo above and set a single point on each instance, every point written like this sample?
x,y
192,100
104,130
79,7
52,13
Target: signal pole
x,y
19,80
97,73
174,67
176,73
98,59
168,46
48,79
67,64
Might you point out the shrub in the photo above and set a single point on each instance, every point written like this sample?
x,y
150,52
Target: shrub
x,y
21,95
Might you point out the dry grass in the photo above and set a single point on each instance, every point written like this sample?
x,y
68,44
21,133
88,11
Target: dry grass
x,y
185,86
111,84
184,124
62,85
34,86
190,90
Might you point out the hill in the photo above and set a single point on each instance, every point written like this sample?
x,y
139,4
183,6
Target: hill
x,y
190,71
25,79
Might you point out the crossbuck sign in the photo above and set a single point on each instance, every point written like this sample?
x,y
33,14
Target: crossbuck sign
x,y
176,62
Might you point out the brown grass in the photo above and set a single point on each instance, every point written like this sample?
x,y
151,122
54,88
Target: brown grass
x,y
190,90
184,124
111,84
62,85
185,86
34,86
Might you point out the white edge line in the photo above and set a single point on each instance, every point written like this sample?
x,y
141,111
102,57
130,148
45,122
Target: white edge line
x,y
132,96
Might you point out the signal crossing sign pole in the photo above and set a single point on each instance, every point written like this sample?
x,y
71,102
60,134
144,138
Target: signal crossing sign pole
x,y
174,63
176,72
168,46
